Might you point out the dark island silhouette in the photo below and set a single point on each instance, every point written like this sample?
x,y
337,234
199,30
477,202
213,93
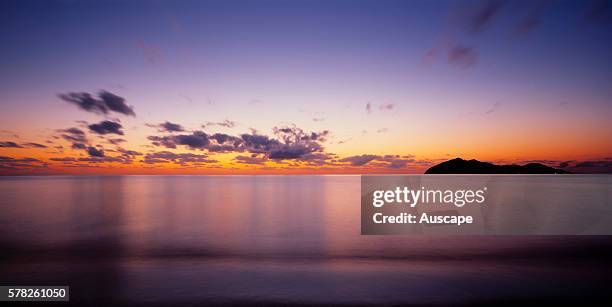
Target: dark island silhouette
x,y
460,166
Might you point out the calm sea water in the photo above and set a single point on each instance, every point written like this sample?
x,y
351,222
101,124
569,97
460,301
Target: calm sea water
x,y
167,240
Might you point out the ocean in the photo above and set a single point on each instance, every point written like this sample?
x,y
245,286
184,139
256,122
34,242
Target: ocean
x,y
275,240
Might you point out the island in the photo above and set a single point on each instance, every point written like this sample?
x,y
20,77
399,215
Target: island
x,y
461,166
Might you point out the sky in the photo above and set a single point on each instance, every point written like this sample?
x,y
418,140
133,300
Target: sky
x,y
302,87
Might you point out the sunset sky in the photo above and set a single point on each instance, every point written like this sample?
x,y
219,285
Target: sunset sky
x,y
243,87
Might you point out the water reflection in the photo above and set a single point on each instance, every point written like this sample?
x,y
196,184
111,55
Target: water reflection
x,y
274,239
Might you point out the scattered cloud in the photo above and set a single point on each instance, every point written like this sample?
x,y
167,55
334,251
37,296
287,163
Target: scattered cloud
x,y
74,135
463,57
9,144
250,159
105,103
388,161
386,106
359,160
225,123
10,163
369,107
493,108
180,158
116,141
94,152
106,127
167,127
484,15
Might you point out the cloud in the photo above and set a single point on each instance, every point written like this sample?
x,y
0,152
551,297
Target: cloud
x,y
9,144
168,127
288,143
382,130
94,152
130,153
64,159
386,106
10,163
493,108
388,161
369,107
603,166
250,160
105,103
318,119
463,57
225,123
74,135
34,145
79,146
182,158
196,140
483,16
359,160
106,127
116,141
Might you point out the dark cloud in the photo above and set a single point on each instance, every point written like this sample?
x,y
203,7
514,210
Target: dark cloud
x,y
196,140
359,160
116,141
168,127
9,144
9,163
94,152
603,166
106,127
602,163
79,146
74,135
105,103
182,158
106,159
130,153
116,103
34,145
484,14
288,143
463,57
